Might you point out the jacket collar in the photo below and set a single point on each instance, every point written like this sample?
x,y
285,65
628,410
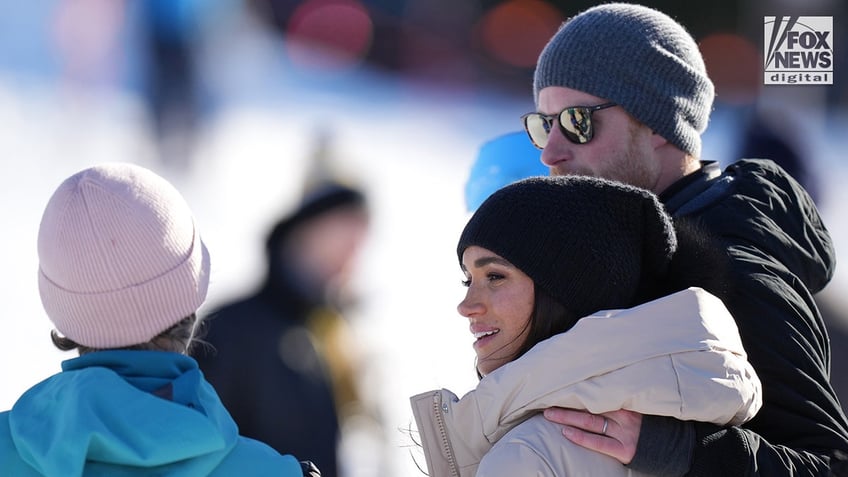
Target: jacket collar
x,y
690,186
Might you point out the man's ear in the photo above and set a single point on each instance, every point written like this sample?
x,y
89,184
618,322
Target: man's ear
x,y
657,141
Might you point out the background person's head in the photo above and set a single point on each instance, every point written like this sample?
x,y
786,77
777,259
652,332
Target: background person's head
x,y
315,246
651,68
543,252
121,262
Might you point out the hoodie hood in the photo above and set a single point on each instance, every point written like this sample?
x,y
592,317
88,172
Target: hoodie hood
x,y
766,216
110,409
788,226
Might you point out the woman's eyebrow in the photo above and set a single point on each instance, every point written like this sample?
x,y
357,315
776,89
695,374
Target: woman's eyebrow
x,y
483,261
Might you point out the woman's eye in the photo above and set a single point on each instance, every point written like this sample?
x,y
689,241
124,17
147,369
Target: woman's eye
x,y
490,277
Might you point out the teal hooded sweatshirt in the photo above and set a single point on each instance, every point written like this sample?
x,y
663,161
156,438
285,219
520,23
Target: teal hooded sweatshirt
x,y
130,413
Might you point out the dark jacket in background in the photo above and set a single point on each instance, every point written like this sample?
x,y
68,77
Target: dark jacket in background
x,y
268,362
782,254
269,374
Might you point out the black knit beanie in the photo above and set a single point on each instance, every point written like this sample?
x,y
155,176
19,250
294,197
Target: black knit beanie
x,y
589,243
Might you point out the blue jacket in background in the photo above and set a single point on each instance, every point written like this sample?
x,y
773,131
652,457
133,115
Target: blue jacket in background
x,y
129,413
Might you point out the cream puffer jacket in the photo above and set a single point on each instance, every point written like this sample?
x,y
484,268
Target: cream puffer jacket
x,y
678,356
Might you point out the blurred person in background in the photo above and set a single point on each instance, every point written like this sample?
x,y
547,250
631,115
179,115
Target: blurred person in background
x,y
622,92
763,136
169,44
283,359
122,272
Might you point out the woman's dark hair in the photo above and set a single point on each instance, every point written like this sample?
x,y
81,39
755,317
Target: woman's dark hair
x,y
179,338
548,318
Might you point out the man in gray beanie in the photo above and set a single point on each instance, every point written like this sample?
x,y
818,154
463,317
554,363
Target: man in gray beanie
x,y
622,92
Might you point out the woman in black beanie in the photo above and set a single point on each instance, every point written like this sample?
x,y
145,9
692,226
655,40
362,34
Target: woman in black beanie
x,y
585,280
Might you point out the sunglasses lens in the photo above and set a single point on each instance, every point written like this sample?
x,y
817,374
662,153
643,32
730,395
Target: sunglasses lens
x,y
577,124
538,128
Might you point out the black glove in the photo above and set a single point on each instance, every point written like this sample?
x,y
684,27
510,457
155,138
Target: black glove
x,y
309,469
665,446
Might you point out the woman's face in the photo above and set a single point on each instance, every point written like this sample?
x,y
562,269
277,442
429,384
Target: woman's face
x,y
498,305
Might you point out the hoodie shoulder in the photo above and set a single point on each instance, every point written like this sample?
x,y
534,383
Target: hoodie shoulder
x,y
11,462
766,215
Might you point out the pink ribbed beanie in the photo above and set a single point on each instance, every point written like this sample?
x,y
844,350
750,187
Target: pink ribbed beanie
x,y
120,257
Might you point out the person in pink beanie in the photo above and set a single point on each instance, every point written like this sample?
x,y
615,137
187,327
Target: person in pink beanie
x,y
122,272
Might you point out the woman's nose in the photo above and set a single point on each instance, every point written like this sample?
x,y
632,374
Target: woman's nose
x,y
469,306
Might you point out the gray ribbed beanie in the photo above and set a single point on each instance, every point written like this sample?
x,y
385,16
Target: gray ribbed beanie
x,y
639,58
590,243
120,257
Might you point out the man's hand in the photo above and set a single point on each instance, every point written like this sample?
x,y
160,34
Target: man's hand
x,y
613,433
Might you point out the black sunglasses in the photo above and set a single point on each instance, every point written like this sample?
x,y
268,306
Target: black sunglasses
x,y
575,123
